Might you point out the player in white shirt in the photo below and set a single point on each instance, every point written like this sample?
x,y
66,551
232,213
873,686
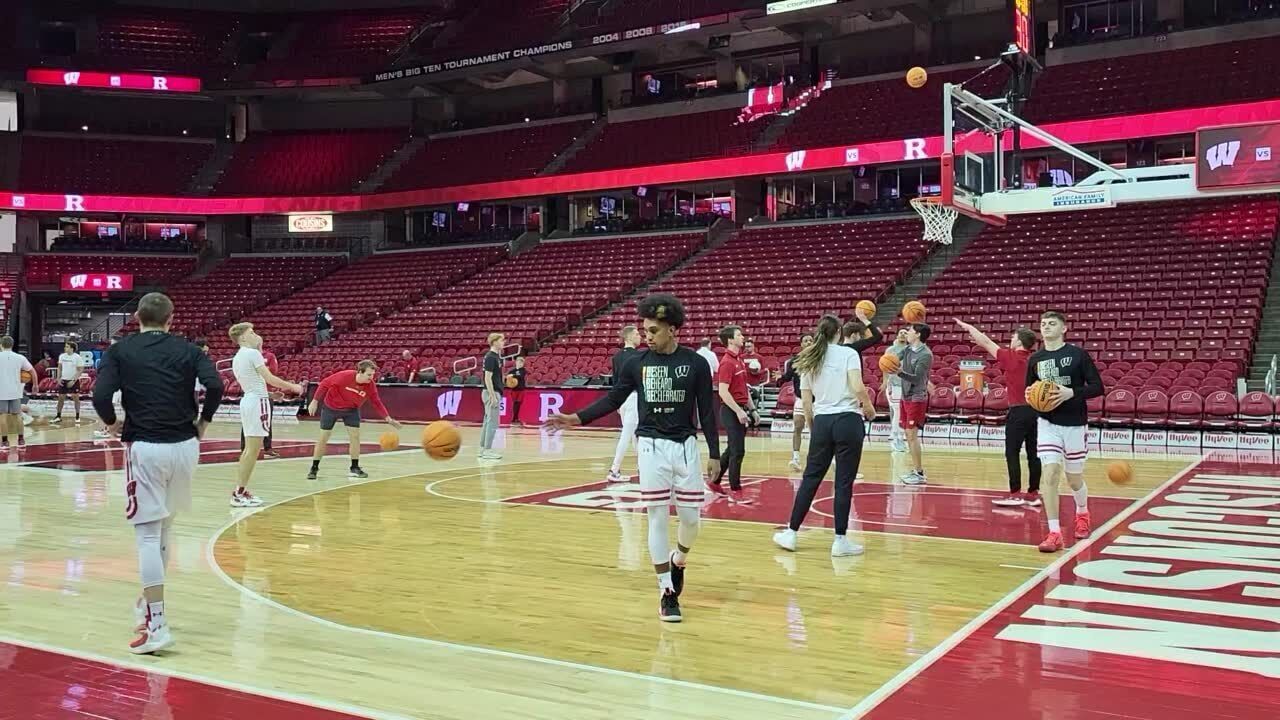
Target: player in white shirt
x,y
250,369
12,365
70,368
710,356
837,408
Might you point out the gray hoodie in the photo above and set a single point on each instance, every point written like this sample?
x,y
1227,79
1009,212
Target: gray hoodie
x,y
916,364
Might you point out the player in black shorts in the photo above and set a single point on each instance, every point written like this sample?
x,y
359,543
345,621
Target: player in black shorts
x,y
673,386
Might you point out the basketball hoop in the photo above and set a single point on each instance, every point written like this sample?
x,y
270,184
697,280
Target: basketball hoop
x,y
938,218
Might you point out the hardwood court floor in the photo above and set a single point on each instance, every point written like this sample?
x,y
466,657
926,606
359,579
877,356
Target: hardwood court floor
x,y
521,588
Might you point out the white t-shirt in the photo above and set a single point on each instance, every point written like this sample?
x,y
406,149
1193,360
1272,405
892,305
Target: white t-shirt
x,y
245,367
831,395
711,359
11,366
68,364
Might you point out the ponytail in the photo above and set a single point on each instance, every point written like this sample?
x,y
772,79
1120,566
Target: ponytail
x,y
810,359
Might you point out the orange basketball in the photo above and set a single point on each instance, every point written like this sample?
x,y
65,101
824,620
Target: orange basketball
x,y
1041,394
867,307
441,440
917,77
913,312
512,381
889,363
389,440
1120,472
26,377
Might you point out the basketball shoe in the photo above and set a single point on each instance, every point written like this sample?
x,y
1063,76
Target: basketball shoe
x,y
1052,543
844,547
241,497
677,575
669,607
786,539
1083,525
1033,499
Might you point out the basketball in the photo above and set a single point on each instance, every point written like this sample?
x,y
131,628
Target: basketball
x,y
26,377
867,307
913,312
1041,394
917,77
389,440
1120,472
889,363
441,440
512,381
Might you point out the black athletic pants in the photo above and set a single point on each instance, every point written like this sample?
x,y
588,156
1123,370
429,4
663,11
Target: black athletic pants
x,y
736,449
1019,430
832,436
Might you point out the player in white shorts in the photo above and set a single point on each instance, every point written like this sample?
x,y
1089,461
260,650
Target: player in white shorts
x,y
674,388
1062,431
156,371
629,412
251,372
790,375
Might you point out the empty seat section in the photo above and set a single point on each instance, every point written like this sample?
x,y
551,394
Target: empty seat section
x,y
674,138
103,166
157,39
528,298
345,44
484,157
763,279
321,162
47,269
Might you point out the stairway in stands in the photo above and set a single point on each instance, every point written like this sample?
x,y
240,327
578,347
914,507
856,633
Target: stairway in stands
x,y
939,258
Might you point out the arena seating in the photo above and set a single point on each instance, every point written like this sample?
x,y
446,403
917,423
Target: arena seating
x,y
528,298
623,16
674,138
240,285
881,110
1166,296
357,294
115,165
320,162
1209,75
498,25
47,269
483,157
156,39
763,279
344,44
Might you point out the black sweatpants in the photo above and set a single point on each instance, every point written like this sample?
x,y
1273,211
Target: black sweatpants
x,y
832,436
1020,430
735,450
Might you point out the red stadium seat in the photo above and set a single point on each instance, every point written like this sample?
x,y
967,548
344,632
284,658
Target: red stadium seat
x,y
1221,411
1121,407
1257,412
1152,409
1186,410
995,407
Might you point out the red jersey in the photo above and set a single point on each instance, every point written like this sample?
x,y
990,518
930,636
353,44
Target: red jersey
x,y
734,374
272,363
340,391
1014,365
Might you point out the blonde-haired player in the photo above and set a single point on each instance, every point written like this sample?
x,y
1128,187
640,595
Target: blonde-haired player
x,y
251,372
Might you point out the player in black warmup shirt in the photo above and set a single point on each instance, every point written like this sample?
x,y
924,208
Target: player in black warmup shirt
x,y
1061,432
673,386
155,372
790,375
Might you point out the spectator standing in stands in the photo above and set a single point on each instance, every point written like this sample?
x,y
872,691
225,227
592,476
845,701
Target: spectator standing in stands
x,y
757,373
492,396
70,368
629,412
790,375
324,325
12,388
517,393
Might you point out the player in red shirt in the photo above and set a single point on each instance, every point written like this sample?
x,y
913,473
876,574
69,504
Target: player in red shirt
x,y
1020,423
339,397
736,411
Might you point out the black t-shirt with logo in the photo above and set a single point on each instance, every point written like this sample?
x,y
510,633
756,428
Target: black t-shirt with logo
x,y
493,364
674,393
1069,366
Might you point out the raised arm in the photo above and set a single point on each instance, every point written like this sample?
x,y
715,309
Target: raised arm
x,y
980,338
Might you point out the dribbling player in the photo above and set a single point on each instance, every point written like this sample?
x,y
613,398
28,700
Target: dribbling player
x,y
251,372
1061,431
629,414
155,371
673,384
339,397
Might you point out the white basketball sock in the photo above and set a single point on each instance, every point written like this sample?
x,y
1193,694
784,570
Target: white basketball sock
x,y
150,556
1055,525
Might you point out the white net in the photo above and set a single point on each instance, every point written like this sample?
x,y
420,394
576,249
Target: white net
x,y
938,219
